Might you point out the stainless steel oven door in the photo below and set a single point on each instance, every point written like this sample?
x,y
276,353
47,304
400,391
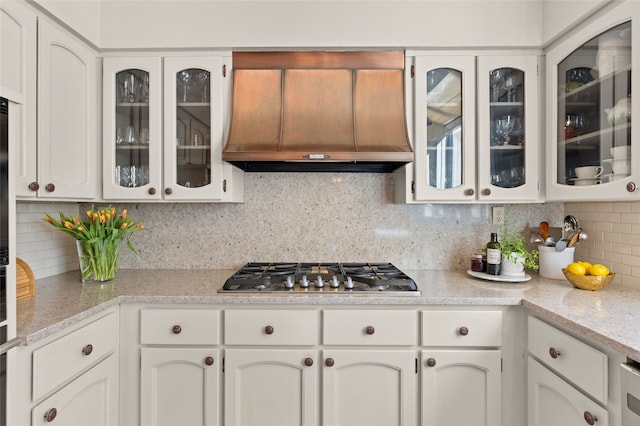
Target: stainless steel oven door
x,y
630,398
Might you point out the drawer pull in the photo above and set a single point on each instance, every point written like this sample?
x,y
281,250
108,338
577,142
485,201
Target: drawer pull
x,y
370,330
268,330
86,351
554,353
308,362
51,414
590,418
34,186
50,187
431,362
208,360
329,362
176,329
463,331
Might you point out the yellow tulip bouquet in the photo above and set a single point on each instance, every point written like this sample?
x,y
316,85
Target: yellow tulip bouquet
x,y
98,239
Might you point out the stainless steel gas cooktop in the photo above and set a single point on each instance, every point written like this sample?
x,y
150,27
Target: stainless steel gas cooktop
x,y
321,278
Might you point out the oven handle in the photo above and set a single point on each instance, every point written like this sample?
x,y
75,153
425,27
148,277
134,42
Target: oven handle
x,y
5,347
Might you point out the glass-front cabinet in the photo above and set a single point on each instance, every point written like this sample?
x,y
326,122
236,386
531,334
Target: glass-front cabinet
x,y
592,156
476,128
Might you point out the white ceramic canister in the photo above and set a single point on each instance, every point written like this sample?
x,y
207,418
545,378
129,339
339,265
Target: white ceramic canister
x,y
551,261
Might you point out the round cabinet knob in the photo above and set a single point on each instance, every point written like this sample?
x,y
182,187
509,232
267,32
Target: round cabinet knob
x,y
269,329
369,330
463,331
51,414
486,191
431,362
329,362
554,353
208,360
308,362
50,187
152,191
168,191
34,186
590,418
631,187
176,329
86,351
469,192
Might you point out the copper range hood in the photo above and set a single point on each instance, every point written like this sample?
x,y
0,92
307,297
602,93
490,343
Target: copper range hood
x,y
318,111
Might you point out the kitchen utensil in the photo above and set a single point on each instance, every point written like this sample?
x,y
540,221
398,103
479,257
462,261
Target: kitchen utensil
x,y
561,245
544,230
574,239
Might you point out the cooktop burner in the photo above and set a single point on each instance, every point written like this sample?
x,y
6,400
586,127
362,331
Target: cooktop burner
x,y
345,278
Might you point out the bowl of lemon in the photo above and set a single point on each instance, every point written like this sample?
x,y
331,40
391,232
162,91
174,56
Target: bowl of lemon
x,y
587,276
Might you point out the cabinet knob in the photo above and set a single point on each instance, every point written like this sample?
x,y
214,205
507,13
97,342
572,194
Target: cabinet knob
x,y
208,360
469,192
590,418
51,414
176,329
463,331
369,330
268,329
50,187
554,353
329,362
34,186
486,191
431,362
152,191
86,351
308,362
168,191
631,187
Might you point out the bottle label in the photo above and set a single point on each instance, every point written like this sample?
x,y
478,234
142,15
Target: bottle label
x,y
493,256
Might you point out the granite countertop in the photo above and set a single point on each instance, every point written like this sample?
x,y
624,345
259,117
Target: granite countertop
x,y
609,316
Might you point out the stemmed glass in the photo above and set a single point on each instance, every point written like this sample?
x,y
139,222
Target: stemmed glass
x,y
504,127
185,79
203,79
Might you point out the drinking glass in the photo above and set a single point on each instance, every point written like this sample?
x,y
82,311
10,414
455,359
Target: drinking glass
x,y
504,127
185,79
130,135
203,80
130,88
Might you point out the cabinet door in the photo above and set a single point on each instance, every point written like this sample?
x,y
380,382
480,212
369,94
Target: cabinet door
x,y
508,139
68,160
553,402
461,388
193,128
444,128
90,399
369,387
271,387
180,386
132,134
593,146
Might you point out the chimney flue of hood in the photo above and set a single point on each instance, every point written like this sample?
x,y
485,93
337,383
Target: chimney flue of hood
x,y
318,111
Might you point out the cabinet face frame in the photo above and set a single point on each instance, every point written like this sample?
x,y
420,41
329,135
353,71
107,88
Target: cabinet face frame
x,y
611,191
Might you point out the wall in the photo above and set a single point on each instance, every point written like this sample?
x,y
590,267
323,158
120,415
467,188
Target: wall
x,y
294,217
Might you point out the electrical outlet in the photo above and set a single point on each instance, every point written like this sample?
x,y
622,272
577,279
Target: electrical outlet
x,y
498,215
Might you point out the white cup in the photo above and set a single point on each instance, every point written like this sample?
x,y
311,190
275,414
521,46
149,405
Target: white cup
x,y
620,152
588,172
621,167
552,261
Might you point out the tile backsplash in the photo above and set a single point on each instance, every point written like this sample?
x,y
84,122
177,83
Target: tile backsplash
x,y
291,217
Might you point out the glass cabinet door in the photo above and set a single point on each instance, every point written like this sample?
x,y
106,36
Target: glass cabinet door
x,y
132,142
192,128
444,129
508,140
594,110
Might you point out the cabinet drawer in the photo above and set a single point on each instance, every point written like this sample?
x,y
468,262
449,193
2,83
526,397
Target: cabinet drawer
x,y
370,327
583,365
462,328
270,327
62,359
179,327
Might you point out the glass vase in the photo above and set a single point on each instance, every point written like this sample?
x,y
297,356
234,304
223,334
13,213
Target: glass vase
x,y
98,260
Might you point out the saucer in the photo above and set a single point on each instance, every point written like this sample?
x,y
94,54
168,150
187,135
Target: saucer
x,y
585,181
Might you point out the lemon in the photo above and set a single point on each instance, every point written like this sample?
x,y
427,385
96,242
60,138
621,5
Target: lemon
x,y
586,265
599,270
576,268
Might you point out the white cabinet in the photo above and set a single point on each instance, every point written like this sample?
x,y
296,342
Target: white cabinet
x,y
180,386
90,399
163,129
589,84
475,129
369,387
18,44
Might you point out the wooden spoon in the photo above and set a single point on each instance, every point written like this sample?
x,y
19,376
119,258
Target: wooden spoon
x,y
574,239
544,230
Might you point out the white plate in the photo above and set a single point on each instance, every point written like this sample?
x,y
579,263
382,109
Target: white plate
x,y
499,278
